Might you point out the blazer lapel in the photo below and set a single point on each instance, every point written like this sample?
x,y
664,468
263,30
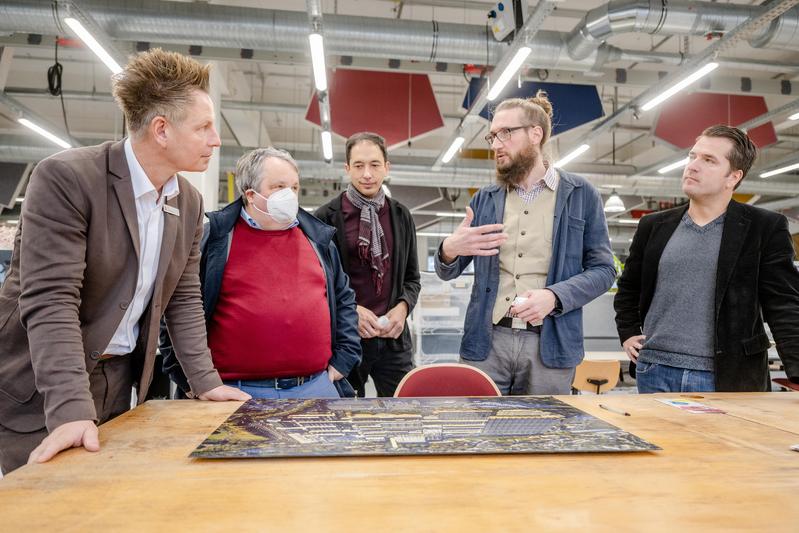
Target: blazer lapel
x,y
171,222
733,236
123,187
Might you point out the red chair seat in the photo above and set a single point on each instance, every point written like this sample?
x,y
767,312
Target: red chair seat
x,y
446,379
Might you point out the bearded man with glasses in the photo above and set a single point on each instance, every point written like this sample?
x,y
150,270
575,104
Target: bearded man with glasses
x,y
541,250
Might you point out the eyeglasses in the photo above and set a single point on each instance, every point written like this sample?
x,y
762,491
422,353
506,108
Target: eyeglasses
x,y
503,134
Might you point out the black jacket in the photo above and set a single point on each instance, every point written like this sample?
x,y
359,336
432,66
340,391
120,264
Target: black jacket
x,y
405,265
346,347
756,279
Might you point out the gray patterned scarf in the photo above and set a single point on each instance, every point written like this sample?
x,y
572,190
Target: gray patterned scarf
x,y
372,247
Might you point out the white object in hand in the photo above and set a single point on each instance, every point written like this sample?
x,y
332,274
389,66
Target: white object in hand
x,y
519,300
382,321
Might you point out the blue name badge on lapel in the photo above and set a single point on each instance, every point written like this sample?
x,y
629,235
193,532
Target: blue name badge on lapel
x,y
171,210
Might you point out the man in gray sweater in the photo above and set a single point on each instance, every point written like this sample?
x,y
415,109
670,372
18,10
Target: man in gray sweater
x,y
701,279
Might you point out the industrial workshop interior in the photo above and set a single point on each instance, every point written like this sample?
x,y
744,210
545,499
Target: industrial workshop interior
x,y
346,246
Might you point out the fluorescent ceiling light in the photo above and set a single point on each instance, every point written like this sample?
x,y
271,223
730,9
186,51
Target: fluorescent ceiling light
x,y
679,86
450,214
450,153
677,164
626,220
318,61
573,155
614,204
781,170
510,70
327,145
432,234
44,133
89,40
795,116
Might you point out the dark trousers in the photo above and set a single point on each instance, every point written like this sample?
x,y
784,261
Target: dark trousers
x,y
386,367
111,384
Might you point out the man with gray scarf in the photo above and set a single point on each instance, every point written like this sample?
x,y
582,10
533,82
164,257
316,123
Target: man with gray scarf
x,y
376,239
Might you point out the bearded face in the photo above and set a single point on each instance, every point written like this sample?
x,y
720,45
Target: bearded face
x,y
512,169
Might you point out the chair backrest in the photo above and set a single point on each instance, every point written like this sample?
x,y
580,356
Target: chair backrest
x,y
596,376
446,379
786,384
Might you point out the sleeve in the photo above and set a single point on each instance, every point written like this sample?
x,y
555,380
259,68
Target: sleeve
x,y
52,265
411,284
628,296
598,271
778,287
185,321
347,342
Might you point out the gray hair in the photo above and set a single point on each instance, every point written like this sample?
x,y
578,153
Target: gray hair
x,y
249,168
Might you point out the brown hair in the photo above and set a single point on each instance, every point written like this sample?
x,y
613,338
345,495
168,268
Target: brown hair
x,y
537,111
362,136
158,83
743,152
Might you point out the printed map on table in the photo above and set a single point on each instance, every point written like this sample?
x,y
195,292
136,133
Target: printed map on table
x,y
413,426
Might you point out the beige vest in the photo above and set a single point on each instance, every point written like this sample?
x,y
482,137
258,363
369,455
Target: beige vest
x,y
524,258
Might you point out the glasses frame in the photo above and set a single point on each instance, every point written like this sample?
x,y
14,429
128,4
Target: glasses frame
x,y
504,132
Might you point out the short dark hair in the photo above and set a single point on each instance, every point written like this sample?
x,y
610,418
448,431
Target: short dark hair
x,y
373,138
743,153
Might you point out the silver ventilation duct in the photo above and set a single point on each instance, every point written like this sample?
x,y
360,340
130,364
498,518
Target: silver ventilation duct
x,y
680,17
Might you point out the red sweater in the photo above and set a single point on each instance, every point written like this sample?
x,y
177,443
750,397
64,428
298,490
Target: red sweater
x,y
272,317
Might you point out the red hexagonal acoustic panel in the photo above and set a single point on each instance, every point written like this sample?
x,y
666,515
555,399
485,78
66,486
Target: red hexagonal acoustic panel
x,y
683,118
398,106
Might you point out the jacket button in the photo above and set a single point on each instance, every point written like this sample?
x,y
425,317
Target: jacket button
x,y
488,289
123,305
95,355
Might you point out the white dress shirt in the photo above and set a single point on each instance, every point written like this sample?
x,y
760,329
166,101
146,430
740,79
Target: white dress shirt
x,y
150,218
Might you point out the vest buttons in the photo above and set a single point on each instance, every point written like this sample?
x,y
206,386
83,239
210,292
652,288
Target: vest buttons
x,y
123,305
507,298
524,232
95,355
526,212
520,254
518,276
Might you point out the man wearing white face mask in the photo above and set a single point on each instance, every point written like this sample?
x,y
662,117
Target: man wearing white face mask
x,y
281,317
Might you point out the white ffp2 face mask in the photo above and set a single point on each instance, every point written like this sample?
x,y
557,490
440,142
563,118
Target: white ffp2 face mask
x,y
281,206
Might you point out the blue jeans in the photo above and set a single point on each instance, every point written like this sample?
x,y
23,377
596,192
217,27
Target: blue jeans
x,y
318,387
654,377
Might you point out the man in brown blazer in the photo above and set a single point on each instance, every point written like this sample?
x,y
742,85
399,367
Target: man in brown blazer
x,y
107,244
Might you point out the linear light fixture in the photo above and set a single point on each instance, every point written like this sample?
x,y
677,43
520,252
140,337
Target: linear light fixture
x,y
680,85
44,133
507,74
795,116
671,166
453,214
571,156
327,146
89,40
453,148
318,61
781,170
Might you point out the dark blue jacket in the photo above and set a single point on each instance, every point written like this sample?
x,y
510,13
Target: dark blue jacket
x,y
581,269
218,234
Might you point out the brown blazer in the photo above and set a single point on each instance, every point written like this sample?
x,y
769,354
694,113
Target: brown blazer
x,y
73,274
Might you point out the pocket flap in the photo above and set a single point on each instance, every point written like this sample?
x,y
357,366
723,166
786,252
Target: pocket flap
x,y
755,345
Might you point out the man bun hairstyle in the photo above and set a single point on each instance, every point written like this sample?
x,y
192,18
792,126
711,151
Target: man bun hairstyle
x,y
537,112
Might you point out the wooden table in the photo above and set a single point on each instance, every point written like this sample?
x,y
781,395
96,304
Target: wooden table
x,y
715,473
